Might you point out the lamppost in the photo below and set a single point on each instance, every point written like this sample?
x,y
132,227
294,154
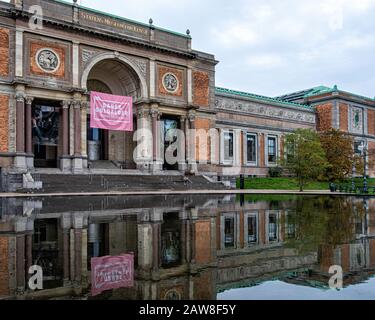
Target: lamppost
x,y
363,149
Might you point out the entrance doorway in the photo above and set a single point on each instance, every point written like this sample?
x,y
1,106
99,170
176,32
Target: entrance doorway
x,y
45,135
170,126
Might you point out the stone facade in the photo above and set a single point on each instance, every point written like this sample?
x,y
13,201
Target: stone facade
x,y
171,84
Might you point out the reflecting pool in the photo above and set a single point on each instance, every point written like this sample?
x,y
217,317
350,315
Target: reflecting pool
x,y
191,247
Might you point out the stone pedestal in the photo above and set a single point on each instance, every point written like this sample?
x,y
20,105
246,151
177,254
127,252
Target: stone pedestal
x,y
77,165
65,163
30,161
20,162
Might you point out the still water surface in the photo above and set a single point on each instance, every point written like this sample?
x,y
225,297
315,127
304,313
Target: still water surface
x,y
192,247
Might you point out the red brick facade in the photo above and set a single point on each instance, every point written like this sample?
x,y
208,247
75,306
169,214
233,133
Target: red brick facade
x,y
201,91
4,52
343,117
4,270
4,123
324,117
371,121
202,242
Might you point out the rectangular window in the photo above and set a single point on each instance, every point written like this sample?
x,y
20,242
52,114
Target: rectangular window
x,y
272,149
252,230
229,232
228,145
272,227
357,147
251,142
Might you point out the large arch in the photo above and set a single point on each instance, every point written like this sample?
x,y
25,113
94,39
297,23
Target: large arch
x,y
113,60
115,74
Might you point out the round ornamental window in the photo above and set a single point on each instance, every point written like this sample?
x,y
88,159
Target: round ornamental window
x,y
47,60
170,82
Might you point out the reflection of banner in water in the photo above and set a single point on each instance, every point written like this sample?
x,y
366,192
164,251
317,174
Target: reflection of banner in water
x,y
45,125
111,112
112,273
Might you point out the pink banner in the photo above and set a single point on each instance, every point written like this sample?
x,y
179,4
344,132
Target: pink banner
x,y
111,112
111,273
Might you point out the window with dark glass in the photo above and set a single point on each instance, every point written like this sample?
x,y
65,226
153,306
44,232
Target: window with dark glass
x,y
251,147
272,149
272,227
229,232
357,147
228,145
252,231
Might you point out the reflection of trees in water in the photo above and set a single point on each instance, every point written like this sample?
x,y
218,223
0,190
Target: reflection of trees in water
x,y
323,221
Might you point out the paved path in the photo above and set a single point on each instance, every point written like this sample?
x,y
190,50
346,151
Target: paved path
x,y
177,192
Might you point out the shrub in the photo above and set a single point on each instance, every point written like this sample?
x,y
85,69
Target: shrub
x,y
275,172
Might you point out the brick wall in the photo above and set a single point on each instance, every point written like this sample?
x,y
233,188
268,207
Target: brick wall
x,y
343,108
4,123
203,286
202,243
371,122
4,271
4,52
162,70
262,162
202,146
35,46
201,91
324,117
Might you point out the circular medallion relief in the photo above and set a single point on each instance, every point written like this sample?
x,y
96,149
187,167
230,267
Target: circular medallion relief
x,y
172,294
170,82
47,60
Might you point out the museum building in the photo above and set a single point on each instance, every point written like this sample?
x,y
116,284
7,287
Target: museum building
x,y
54,53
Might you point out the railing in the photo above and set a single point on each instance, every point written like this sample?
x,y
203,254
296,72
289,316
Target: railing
x,y
349,188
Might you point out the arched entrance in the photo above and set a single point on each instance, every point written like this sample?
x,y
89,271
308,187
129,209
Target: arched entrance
x,y
112,75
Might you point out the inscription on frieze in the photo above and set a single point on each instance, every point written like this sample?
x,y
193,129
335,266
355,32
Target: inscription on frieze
x,y
112,23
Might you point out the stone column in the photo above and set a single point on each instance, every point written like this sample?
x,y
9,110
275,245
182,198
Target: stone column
x,y
77,160
192,154
156,163
144,139
182,145
66,269
29,133
20,159
65,160
20,263
29,253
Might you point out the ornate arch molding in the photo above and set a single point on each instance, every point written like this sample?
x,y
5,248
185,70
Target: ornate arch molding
x,y
118,57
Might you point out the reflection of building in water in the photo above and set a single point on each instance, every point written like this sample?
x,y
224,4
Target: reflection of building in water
x,y
185,247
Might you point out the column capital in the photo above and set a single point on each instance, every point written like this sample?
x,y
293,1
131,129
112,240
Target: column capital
x,y
142,111
191,115
76,104
29,100
154,112
65,104
182,118
20,97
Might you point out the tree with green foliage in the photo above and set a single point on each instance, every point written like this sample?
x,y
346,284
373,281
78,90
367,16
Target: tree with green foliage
x,y
338,147
304,156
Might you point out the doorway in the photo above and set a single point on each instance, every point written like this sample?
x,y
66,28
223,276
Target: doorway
x,y
170,125
45,133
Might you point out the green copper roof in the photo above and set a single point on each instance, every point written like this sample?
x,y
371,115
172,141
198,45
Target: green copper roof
x,y
219,90
316,91
124,19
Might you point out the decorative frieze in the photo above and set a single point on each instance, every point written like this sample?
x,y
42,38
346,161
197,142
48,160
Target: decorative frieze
x,y
263,110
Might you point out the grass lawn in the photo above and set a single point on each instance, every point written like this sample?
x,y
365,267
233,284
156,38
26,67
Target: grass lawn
x,y
291,184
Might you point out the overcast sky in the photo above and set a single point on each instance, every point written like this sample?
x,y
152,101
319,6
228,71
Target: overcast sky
x,y
271,47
